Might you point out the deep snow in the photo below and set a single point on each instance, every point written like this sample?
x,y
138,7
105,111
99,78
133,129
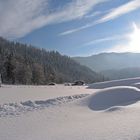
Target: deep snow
x,y
111,112
122,82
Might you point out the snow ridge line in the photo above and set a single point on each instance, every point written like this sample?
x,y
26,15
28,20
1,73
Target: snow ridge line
x,y
16,109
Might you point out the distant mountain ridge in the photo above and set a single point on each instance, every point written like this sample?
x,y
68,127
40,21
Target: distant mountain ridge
x,y
113,65
105,61
122,73
23,64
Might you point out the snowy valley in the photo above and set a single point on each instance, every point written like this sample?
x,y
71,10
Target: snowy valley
x,y
101,111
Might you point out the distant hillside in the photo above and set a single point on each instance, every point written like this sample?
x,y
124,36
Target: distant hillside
x,y
122,73
107,61
22,64
113,65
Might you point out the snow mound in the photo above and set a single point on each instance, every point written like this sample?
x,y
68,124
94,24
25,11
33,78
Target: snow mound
x,y
109,99
122,82
14,109
115,108
136,85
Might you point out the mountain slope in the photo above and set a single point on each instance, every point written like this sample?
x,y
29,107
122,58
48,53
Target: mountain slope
x,y
22,64
122,73
113,65
106,61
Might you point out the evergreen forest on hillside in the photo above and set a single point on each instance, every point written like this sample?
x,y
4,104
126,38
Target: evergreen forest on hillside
x,y
23,64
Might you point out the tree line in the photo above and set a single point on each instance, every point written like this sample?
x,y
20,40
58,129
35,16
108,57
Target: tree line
x,y
24,64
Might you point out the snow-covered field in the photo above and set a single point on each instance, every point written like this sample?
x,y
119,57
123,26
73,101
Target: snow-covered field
x,y
102,111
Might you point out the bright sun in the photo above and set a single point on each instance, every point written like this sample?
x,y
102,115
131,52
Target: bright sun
x,y
134,45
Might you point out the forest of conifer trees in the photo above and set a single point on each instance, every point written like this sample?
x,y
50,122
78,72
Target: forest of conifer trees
x,y
23,64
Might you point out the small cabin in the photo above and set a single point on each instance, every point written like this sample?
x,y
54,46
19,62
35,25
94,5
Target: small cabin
x,y
78,83
52,84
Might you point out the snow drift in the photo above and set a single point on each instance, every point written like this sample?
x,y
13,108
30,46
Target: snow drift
x,y
111,97
14,109
113,83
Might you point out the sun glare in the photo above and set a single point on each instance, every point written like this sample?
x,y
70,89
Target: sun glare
x,y
134,45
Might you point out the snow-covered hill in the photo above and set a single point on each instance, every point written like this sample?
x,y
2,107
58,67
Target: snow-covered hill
x,y
110,112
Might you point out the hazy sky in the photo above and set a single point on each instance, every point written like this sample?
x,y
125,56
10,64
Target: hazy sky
x,y
72,27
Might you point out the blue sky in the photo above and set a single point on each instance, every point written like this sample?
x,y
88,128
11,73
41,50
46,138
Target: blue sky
x,y
72,27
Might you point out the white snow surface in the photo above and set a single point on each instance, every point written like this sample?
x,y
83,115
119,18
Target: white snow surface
x,y
110,112
122,82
